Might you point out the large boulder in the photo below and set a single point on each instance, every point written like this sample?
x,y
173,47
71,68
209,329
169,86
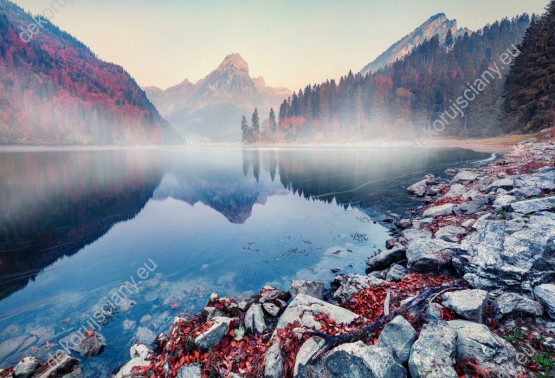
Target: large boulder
x,y
356,360
429,255
396,272
127,370
438,211
313,288
273,361
508,304
399,336
419,189
469,304
433,354
214,335
476,341
302,369
511,255
533,184
254,319
533,206
304,308
59,365
546,295
386,258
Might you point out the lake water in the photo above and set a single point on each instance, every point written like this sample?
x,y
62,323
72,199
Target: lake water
x,y
149,234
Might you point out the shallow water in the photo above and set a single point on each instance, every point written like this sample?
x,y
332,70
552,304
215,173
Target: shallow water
x,y
149,234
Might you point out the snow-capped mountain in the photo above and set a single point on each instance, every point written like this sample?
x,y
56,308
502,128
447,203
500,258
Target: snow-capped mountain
x,y
438,24
211,109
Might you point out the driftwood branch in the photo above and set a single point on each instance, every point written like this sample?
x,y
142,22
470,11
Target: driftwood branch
x,y
332,341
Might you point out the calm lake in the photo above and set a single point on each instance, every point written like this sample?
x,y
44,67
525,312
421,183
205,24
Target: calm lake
x,y
149,234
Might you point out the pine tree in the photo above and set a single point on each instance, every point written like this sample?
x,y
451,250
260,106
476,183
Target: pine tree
x,y
272,124
255,124
449,41
245,130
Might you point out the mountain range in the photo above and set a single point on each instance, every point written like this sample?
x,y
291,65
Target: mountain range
x,y
438,24
54,90
209,109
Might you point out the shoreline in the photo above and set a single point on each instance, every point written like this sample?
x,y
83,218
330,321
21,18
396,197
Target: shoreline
x,y
269,335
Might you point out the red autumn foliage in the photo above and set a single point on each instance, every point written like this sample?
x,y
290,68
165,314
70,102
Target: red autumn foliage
x,y
369,303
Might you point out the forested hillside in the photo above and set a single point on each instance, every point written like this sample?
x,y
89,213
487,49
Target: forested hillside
x,y
530,97
54,90
412,94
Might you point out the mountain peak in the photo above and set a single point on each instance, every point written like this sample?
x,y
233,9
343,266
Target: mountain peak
x,y
234,62
439,16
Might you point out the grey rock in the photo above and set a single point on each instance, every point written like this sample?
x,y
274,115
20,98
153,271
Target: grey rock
x,y
127,370
546,295
348,284
356,360
534,206
254,319
396,272
273,361
313,288
303,309
429,255
244,304
434,313
399,336
404,223
413,234
60,364
212,312
433,354
503,201
385,258
192,371
440,210
533,184
139,351
91,346
476,341
271,294
505,183
308,349
419,223
450,233
469,304
25,367
508,304
214,335
456,190
419,189
466,176
510,255
271,309
469,223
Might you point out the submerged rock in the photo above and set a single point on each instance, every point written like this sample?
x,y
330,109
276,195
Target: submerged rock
x,y
92,345
508,304
433,354
469,304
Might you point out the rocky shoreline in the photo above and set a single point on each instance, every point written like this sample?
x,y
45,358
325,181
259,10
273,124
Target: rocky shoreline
x,y
465,288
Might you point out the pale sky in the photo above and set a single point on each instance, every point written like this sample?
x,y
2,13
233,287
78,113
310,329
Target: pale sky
x,y
289,42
